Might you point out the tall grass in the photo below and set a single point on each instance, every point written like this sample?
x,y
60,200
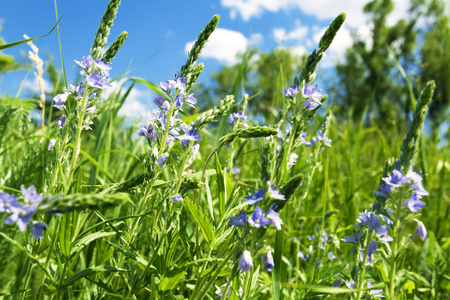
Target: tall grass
x,y
131,216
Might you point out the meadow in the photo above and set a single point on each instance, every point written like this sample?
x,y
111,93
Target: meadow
x,y
215,204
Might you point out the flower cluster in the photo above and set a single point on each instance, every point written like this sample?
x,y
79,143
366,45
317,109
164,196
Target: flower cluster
x,y
412,185
176,95
309,94
234,116
22,213
320,137
96,74
258,218
322,244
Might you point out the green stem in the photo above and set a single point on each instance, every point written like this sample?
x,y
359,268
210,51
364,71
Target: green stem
x,y
395,245
363,270
76,151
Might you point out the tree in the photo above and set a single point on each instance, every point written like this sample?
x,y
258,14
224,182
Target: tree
x,y
435,63
260,76
368,74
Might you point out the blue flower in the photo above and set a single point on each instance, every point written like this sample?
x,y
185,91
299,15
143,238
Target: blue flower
x,y
331,256
385,190
302,255
148,132
255,198
246,262
177,198
159,100
37,229
97,81
234,116
267,260
374,292
51,144
60,99
61,121
274,194
178,101
414,203
275,217
420,230
396,179
312,97
161,161
257,219
291,91
318,138
190,100
191,135
239,221
30,195
6,201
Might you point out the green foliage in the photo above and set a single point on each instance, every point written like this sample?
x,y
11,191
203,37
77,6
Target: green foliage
x,y
123,235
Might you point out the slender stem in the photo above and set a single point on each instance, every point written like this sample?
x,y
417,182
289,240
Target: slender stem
x,y
56,170
395,245
50,251
76,151
363,270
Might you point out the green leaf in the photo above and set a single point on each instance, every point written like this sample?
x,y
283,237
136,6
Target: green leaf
x,y
90,271
82,243
205,226
169,283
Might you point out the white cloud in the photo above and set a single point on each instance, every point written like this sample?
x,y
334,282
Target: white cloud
x,y
134,106
256,39
223,45
298,34
33,86
321,9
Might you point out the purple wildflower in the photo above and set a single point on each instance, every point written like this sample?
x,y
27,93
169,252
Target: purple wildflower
x,y
257,219
255,198
302,255
374,292
148,132
350,284
178,101
37,229
291,91
292,159
51,144
235,170
246,263
273,193
60,99
190,100
6,201
331,256
161,161
385,190
318,138
191,135
312,97
97,81
239,221
30,195
267,260
61,121
396,179
420,230
275,217
177,198
414,203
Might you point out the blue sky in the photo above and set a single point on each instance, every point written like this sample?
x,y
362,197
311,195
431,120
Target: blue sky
x,y
160,32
